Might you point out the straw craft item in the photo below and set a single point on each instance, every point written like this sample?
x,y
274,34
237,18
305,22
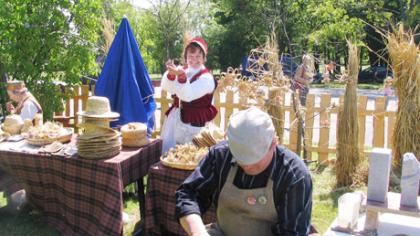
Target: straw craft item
x,y
134,134
347,133
12,124
98,142
47,133
185,157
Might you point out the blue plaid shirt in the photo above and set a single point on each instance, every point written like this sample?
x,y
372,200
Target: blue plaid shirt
x,y
292,187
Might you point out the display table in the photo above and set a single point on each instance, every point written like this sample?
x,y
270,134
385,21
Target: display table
x,y
78,196
162,183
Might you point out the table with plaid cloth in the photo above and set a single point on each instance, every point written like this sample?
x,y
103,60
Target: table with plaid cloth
x,y
79,196
162,183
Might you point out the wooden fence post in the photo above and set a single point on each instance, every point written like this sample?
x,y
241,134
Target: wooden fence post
x,y
361,113
324,132
379,122
309,124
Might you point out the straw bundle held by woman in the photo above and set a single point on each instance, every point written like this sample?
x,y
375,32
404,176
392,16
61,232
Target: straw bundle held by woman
x,y
405,60
347,132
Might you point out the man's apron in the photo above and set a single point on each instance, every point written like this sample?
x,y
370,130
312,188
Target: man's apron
x,y
245,212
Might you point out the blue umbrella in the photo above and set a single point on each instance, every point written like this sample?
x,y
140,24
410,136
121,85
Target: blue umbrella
x,y
124,80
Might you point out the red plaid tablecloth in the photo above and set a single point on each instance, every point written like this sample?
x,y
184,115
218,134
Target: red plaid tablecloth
x,y
162,183
78,196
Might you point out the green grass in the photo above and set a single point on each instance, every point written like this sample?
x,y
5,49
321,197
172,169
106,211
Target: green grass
x,y
324,208
28,223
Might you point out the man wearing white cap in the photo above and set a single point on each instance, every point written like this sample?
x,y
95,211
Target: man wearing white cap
x,y
258,187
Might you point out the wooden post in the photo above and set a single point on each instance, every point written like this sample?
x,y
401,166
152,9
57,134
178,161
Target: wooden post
x,y
274,108
379,122
324,132
361,113
391,125
309,124
229,107
293,136
76,107
216,100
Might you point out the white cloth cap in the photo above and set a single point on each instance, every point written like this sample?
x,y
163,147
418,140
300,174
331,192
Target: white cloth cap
x,y
250,134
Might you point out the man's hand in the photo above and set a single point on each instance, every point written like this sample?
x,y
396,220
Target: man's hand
x,y
193,225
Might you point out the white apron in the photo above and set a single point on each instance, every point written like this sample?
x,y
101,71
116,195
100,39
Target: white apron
x,y
174,131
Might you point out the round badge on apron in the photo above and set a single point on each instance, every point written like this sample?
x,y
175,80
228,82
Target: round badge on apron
x,y
262,200
251,200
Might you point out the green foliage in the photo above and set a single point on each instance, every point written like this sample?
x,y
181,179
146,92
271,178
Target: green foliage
x,y
46,41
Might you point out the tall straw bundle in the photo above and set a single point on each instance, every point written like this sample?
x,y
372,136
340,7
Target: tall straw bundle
x,y
347,132
274,104
405,61
274,64
109,33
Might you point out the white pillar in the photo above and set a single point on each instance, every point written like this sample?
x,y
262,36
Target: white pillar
x,y
410,180
379,170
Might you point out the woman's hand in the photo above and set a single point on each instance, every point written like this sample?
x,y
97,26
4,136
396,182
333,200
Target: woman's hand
x,y
10,108
173,69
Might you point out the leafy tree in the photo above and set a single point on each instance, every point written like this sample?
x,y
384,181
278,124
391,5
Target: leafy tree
x,y
170,25
46,41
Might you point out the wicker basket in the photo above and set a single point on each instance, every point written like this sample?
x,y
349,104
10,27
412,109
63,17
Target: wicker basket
x,y
177,165
45,141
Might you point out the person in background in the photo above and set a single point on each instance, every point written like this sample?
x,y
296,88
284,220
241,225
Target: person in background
x,y
192,87
330,69
27,105
300,85
387,88
257,186
303,77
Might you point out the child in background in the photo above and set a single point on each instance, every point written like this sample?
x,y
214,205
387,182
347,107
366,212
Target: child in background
x,y
387,89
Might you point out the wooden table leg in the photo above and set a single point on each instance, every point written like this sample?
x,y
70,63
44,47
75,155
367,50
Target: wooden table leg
x,y
371,222
139,228
142,198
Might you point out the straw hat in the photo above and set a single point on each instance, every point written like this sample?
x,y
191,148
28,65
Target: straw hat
x,y
15,85
98,142
98,107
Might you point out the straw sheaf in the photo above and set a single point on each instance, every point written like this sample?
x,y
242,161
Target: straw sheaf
x,y
405,60
347,133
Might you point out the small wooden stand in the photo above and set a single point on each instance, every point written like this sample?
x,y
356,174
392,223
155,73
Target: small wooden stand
x,y
392,205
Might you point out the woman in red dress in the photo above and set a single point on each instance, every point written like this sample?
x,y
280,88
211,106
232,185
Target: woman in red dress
x,y
192,87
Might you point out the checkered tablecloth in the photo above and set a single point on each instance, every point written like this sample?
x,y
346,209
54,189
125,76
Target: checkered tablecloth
x,y
162,183
78,196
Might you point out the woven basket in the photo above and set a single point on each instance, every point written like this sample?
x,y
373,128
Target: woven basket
x,y
177,165
139,131
135,142
45,141
40,142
